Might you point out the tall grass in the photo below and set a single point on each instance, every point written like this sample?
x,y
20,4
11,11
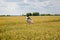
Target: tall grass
x,y
44,28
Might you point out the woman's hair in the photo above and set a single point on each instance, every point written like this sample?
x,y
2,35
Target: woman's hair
x,y
27,15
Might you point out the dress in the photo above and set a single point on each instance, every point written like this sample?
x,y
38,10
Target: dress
x,y
28,19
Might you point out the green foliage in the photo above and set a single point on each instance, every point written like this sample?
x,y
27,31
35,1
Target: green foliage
x,y
29,14
35,13
46,15
57,14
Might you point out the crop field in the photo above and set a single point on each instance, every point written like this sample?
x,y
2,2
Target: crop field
x,y
43,28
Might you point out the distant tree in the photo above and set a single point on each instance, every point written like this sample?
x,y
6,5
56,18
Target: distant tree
x,y
42,14
2,15
35,13
8,15
57,14
29,14
46,15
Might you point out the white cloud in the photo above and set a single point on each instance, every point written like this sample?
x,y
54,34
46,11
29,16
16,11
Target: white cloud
x,y
14,8
23,6
9,8
37,3
25,1
35,6
54,6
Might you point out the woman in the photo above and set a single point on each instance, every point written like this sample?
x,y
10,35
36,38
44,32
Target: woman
x,y
28,19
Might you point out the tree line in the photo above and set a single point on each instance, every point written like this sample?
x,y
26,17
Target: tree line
x,y
33,14
38,14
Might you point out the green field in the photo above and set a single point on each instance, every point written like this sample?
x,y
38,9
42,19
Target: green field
x,y
44,28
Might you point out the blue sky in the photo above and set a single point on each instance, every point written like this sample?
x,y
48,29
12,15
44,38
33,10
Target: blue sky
x,y
19,7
